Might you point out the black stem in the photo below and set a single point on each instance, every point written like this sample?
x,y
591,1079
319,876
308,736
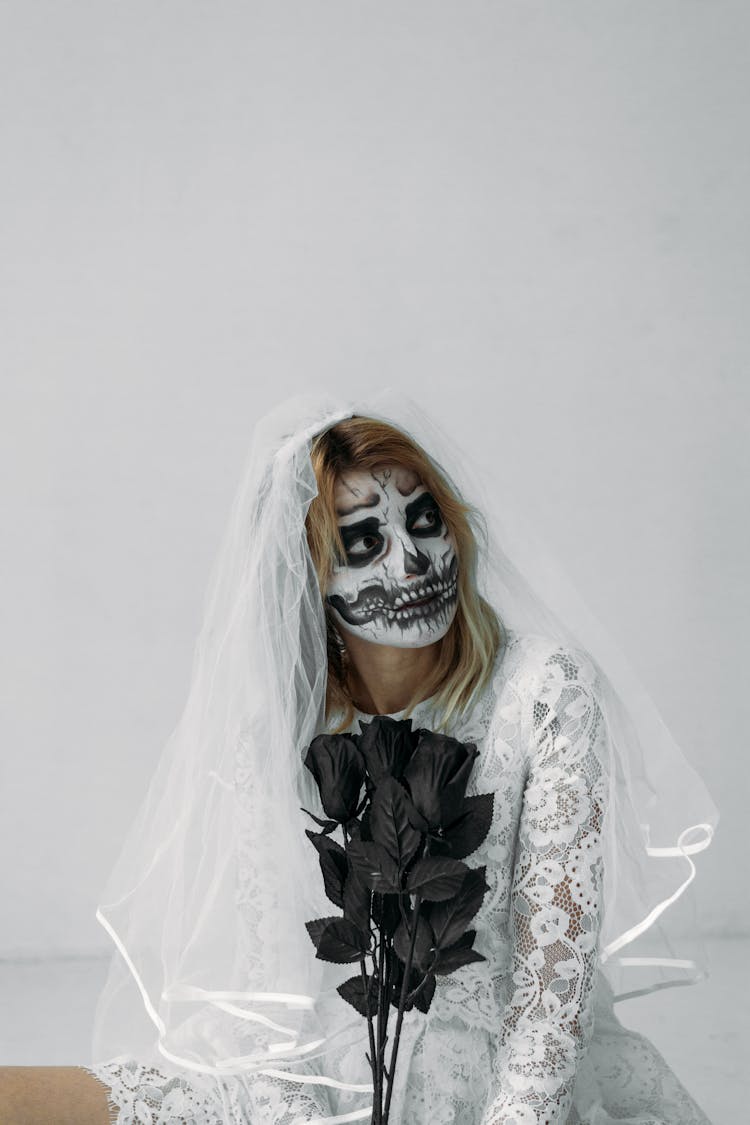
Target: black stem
x,y
382,1015
370,1025
402,998
404,982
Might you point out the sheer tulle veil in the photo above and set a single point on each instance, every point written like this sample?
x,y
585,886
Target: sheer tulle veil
x,y
212,968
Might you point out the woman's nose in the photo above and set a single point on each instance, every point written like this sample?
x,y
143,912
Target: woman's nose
x,y
414,561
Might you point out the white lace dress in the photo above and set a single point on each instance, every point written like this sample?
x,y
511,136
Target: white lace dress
x,y
528,1036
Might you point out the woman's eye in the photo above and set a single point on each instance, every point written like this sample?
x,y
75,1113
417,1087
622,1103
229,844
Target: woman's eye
x,y
367,542
363,548
429,521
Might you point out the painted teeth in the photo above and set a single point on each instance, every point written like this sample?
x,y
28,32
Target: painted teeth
x,y
401,604
442,592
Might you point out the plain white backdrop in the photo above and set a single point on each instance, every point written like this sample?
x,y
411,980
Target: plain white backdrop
x,y
207,206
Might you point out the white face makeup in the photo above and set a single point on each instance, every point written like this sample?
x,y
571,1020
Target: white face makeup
x,y
398,582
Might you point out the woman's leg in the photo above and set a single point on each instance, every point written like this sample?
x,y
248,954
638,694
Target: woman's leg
x,y
53,1095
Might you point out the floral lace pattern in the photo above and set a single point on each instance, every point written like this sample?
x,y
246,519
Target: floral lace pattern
x,y
528,1036
555,899
142,1095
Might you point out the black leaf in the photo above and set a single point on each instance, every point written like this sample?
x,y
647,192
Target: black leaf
x,y
332,863
326,825
356,901
389,821
342,942
466,834
374,866
450,959
397,978
436,878
316,927
424,943
449,919
353,992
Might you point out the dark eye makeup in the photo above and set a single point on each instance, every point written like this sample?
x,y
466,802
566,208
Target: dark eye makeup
x,y
423,516
363,541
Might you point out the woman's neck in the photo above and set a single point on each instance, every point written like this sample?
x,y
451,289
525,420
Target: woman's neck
x,y
384,678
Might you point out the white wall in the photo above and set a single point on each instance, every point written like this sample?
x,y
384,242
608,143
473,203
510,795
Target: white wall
x,y
206,206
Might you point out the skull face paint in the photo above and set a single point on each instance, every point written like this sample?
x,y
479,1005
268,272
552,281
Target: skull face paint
x,y
397,584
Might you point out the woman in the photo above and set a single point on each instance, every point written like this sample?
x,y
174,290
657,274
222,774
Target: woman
x,y
355,580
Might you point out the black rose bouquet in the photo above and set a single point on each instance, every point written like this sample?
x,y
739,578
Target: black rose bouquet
x,y
406,897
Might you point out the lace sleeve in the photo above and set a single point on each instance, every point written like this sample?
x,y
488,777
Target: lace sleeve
x,y
556,900
142,1094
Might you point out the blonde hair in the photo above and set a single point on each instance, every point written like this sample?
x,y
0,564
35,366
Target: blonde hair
x,y
469,648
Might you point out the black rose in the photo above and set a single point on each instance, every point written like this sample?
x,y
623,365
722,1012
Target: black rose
x,y
437,775
338,767
387,746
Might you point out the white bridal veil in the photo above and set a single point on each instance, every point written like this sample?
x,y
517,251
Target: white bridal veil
x,y
213,969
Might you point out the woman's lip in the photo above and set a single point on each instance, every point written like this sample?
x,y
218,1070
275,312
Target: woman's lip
x,y
421,601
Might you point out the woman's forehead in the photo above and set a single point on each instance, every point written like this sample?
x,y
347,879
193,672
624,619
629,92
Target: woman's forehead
x,y
366,488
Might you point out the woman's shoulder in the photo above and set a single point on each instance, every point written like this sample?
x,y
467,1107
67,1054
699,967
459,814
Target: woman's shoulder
x,y
539,675
530,661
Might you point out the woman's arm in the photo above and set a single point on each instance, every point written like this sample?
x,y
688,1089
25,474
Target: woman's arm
x,y
55,1095
556,899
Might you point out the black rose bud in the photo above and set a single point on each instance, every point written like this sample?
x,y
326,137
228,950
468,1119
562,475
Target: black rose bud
x,y
437,776
387,745
338,767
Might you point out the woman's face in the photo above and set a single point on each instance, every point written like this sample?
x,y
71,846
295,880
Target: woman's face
x,y
397,584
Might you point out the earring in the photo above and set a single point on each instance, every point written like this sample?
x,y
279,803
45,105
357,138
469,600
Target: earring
x,y
339,640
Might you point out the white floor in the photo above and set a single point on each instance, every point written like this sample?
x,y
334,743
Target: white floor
x,y
702,1031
